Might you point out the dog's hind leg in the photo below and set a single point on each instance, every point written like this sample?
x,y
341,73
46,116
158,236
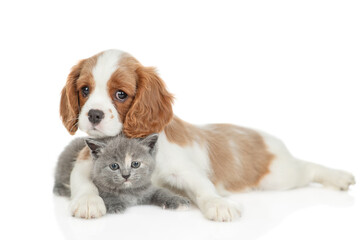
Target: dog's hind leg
x,y
287,172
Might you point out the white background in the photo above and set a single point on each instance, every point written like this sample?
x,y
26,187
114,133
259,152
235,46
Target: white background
x,y
291,68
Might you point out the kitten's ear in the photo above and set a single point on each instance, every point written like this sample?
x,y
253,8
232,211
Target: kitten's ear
x,y
150,141
95,146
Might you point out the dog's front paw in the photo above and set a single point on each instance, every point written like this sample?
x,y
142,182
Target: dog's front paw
x,y
221,210
88,206
176,202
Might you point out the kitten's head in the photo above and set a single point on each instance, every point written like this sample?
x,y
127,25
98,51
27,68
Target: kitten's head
x,y
122,163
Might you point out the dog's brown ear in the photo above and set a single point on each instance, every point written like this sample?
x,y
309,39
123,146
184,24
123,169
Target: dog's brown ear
x,y
69,106
151,109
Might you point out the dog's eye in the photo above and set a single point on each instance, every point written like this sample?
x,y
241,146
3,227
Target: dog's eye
x,y
85,91
135,164
114,166
120,96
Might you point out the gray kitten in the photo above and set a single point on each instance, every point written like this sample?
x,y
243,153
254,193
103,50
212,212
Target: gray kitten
x,y
65,165
122,172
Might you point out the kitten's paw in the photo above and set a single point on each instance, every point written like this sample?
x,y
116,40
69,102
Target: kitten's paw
x,y
115,208
176,202
61,190
221,210
339,180
88,206
184,206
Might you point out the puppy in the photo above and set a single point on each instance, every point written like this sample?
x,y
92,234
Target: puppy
x,y
112,92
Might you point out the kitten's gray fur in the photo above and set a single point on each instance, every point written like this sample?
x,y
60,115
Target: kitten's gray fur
x,y
65,165
117,192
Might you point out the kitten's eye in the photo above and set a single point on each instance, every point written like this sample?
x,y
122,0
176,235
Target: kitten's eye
x,y
85,91
120,96
135,164
114,166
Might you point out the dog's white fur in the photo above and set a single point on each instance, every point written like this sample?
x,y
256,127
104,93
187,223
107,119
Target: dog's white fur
x,y
99,99
86,202
185,168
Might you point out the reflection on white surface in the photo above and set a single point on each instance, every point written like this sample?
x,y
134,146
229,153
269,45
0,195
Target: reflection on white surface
x,y
263,211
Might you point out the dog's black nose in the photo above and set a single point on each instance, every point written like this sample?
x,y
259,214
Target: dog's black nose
x,y
95,116
126,176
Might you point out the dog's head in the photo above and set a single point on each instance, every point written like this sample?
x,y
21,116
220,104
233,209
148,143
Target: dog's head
x,y
111,92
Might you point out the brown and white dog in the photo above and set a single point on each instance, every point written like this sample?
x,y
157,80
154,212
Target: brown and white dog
x,y
112,92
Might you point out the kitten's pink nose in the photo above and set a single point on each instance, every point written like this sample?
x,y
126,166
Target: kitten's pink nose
x,y
126,176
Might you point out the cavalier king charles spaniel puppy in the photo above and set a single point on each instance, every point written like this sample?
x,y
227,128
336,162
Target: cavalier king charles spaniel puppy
x,y
111,92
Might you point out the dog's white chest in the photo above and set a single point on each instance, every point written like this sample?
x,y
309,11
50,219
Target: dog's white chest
x,y
175,163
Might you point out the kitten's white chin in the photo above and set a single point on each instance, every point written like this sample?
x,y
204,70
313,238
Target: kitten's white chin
x,y
127,184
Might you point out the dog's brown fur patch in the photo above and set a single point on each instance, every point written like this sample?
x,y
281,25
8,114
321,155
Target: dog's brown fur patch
x,y
71,98
239,157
